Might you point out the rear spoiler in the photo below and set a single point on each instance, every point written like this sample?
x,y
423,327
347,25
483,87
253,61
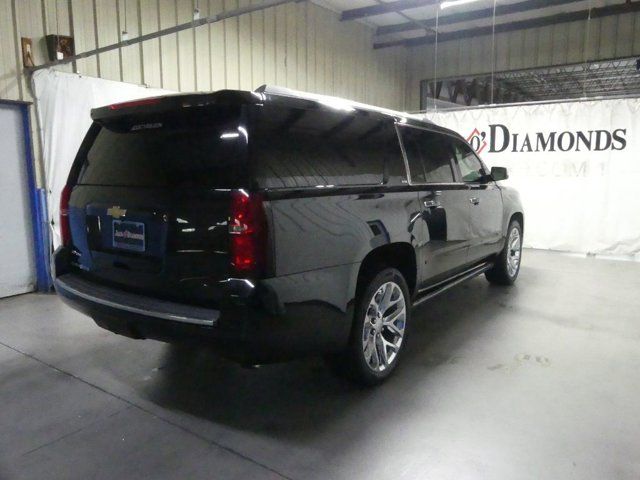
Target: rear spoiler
x,y
173,102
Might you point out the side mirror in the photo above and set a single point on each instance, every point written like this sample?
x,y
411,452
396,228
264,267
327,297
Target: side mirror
x,y
499,173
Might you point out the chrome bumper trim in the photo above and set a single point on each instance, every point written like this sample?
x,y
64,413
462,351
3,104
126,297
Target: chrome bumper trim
x,y
134,303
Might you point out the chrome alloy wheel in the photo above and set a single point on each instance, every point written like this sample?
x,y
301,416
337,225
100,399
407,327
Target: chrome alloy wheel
x,y
514,251
384,326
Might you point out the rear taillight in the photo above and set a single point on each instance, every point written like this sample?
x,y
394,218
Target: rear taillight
x,y
65,230
248,233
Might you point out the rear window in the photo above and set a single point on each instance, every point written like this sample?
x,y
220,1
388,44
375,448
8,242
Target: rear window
x,y
297,148
199,148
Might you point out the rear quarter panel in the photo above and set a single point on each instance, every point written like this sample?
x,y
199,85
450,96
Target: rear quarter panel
x,y
315,232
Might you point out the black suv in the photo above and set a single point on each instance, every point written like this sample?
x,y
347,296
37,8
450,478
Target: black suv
x,y
274,224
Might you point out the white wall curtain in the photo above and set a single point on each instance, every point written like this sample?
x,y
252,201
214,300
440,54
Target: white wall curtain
x,y
576,165
64,104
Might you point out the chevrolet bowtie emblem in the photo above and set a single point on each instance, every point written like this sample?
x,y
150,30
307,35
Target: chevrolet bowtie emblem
x,y
116,212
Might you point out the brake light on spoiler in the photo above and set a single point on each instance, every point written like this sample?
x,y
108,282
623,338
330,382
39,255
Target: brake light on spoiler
x,y
135,103
247,232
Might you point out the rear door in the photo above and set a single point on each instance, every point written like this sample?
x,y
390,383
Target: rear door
x,y
443,236
485,200
150,206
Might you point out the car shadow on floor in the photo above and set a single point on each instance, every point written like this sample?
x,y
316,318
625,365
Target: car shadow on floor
x,y
300,398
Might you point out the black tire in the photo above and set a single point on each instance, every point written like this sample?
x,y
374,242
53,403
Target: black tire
x,y
503,272
354,362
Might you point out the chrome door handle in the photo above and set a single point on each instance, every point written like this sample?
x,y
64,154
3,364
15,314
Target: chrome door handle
x,y
433,199
474,200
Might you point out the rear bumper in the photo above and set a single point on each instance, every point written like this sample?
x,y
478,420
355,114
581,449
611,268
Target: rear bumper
x,y
272,320
74,287
140,317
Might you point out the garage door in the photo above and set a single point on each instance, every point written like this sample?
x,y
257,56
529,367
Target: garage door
x,y
17,266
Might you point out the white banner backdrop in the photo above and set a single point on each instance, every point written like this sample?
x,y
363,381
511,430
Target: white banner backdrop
x,y
64,104
576,165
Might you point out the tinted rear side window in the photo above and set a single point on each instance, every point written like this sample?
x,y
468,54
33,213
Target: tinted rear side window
x,y
296,148
429,154
199,148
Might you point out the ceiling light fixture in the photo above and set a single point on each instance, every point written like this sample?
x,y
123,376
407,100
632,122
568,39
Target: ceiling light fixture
x,y
454,3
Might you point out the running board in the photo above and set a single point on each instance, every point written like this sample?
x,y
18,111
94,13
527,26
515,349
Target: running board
x,y
447,284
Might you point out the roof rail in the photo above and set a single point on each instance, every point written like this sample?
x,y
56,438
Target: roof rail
x,y
333,102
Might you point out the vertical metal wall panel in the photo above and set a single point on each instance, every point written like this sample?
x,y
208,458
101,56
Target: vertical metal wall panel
x,y
130,57
107,23
320,49
201,53
624,30
608,37
217,48
501,51
280,45
232,50
310,46
592,39
517,55
84,35
257,47
364,59
185,39
545,46
290,47
575,44
245,48
464,55
636,33
530,51
169,46
149,22
10,54
559,55
29,19
330,54
301,41
269,46
50,18
343,82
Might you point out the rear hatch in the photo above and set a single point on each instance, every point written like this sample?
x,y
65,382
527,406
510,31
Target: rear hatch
x,y
149,209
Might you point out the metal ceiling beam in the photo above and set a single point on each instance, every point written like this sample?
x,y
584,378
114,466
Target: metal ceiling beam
x,y
419,25
513,26
473,15
167,31
382,8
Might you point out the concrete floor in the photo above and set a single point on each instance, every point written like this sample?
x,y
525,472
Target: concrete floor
x,y
539,381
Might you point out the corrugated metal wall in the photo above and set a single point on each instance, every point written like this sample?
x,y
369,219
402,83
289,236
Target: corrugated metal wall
x,y
609,37
298,45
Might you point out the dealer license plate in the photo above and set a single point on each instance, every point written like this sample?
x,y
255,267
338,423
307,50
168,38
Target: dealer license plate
x,y
128,235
